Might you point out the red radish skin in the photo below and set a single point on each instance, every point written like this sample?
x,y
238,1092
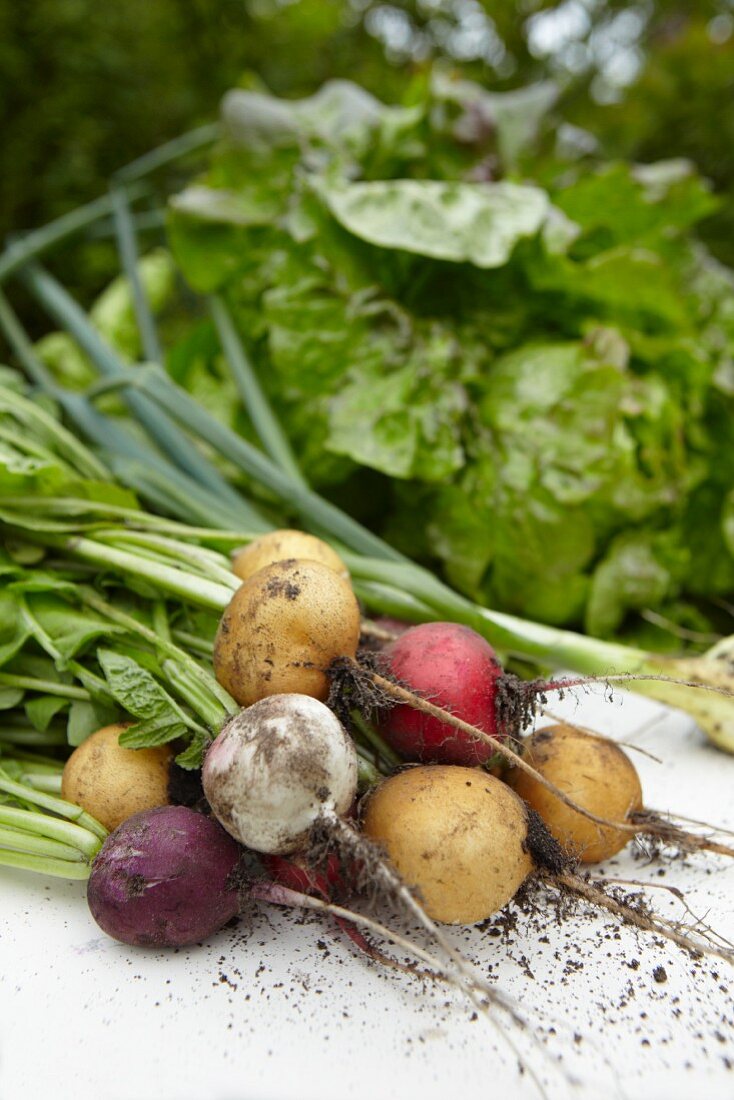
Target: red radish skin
x,y
455,668
296,874
165,878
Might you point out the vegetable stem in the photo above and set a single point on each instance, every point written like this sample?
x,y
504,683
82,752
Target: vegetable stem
x,y
55,805
370,734
46,687
34,244
53,828
44,865
128,251
153,418
20,841
265,423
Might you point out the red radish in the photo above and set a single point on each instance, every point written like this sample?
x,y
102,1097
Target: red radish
x,y
296,874
455,668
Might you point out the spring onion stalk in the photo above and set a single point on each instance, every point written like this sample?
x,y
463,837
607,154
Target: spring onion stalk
x,y
34,417
127,249
150,383
153,418
174,493
132,461
166,154
265,423
42,240
144,221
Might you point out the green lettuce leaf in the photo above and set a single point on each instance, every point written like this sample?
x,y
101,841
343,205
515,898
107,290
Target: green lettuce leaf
x,y
476,223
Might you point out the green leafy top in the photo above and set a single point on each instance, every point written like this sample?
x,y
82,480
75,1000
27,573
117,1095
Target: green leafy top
x,y
529,343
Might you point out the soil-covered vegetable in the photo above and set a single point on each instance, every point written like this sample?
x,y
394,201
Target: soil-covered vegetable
x,y
276,768
596,773
166,877
280,546
456,835
113,783
283,628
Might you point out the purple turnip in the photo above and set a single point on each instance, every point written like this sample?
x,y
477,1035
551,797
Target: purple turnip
x,y
166,877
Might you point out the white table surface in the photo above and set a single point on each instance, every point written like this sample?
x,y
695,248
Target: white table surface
x,y
283,1008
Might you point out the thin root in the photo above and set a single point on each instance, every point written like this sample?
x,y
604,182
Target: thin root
x,y
380,880
639,917
652,824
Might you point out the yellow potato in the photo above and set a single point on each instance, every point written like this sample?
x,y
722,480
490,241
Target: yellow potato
x,y
280,546
112,783
456,835
283,628
595,773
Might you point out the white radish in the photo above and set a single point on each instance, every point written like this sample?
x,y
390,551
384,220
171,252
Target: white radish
x,y
276,768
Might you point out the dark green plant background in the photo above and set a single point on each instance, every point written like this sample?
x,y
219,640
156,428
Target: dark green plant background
x,y
85,87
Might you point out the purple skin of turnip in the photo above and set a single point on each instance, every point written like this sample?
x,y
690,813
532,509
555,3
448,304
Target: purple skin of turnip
x,y
165,878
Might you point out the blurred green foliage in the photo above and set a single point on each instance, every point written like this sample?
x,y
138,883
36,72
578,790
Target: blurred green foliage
x,y
85,87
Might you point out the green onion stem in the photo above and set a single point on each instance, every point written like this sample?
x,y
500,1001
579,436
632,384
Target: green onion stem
x,y
55,805
45,687
127,248
166,154
144,221
154,419
41,824
150,383
34,416
21,841
266,425
44,865
174,493
39,241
